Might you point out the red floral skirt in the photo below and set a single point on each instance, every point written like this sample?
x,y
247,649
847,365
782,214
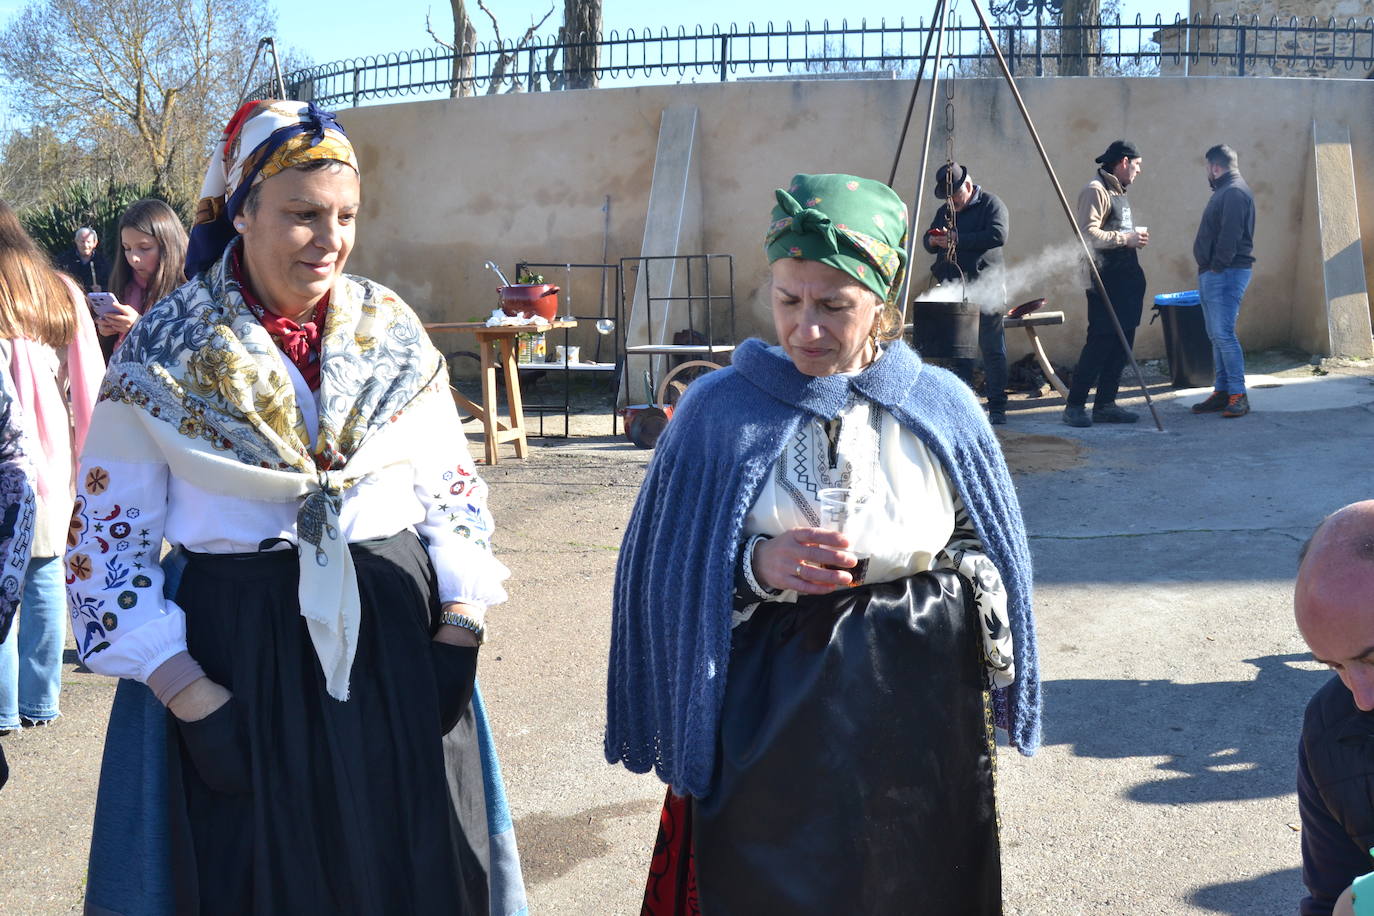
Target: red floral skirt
x,y
672,887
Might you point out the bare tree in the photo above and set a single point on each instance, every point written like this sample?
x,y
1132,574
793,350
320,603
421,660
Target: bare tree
x,y
507,58
579,35
150,80
464,41
35,161
1079,40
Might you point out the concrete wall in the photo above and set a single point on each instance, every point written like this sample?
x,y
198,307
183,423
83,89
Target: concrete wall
x,y
449,183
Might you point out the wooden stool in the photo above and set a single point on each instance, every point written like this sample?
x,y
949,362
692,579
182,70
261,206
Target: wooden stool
x,y
497,348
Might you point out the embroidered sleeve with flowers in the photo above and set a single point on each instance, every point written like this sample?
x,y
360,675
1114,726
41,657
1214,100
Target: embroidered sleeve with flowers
x,y
457,526
121,623
964,554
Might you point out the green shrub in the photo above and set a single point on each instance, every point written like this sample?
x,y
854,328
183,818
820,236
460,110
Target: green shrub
x,y
86,203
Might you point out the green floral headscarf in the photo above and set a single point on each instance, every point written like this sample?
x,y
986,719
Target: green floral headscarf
x,y
853,224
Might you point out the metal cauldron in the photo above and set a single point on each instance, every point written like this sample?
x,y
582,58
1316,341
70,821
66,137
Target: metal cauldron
x,y
945,329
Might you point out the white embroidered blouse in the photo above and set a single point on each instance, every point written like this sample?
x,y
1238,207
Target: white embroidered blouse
x,y
126,508
913,520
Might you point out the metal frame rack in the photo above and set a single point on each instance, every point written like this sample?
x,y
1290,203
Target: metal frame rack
x,y
701,299
567,311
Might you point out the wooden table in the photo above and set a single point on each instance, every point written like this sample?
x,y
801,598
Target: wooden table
x,y
501,342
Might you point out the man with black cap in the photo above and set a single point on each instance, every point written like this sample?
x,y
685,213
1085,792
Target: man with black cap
x,y
1104,217
979,232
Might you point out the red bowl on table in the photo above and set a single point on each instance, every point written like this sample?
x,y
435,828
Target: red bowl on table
x,y
528,300
1025,308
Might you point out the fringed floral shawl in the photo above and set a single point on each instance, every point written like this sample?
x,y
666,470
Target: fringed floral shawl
x,y
211,388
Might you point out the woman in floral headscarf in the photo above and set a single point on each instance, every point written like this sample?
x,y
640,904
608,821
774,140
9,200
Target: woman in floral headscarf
x,y
289,428
821,703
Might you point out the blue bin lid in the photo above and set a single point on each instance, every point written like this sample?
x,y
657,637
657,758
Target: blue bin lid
x,y
1187,297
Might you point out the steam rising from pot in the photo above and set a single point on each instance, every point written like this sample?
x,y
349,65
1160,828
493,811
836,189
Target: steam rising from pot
x,y
995,293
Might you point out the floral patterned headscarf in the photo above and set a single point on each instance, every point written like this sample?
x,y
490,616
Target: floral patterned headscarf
x,y
853,224
261,140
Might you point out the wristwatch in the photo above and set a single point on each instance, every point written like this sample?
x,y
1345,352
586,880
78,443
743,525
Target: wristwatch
x,y
455,619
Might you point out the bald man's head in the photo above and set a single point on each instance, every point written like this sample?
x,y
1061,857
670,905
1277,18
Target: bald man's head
x,y
1333,600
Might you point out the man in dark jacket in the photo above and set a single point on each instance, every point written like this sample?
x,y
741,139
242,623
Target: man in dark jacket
x,y
84,262
979,232
1334,606
1222,249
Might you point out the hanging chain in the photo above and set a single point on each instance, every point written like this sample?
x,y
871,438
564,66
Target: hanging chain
x,y
950,187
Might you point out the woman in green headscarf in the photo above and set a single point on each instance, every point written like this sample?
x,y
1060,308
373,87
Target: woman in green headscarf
x,y
822,593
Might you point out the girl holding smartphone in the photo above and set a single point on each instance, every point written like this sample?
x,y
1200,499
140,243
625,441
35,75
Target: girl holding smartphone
x,y
154,244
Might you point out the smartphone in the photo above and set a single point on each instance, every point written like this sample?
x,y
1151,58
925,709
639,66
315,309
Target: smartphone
x,y
103,303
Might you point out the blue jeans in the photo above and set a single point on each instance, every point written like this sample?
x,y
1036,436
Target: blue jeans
x,y
1221,294
31,659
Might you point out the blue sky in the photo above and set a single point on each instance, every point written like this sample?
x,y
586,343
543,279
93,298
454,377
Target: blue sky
x,y
356,28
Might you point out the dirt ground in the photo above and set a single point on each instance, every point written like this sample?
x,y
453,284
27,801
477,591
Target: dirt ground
x,y
1174,679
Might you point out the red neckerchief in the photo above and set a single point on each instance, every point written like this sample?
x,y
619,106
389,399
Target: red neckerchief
x,y
300,342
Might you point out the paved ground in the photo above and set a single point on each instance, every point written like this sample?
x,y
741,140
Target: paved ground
x,y
1174,678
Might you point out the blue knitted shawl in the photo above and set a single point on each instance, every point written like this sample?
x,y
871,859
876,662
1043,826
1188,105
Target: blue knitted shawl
x,y
670,637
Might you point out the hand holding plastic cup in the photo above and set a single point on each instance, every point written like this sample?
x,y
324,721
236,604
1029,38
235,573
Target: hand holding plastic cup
x,y
842,510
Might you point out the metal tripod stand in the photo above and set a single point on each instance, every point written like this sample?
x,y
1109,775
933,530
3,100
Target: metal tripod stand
x,y
937,35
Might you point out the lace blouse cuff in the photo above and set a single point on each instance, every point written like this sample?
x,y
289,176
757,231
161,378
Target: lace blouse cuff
x,y
748,589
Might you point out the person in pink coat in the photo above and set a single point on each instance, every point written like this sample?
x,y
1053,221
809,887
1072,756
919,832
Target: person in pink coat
x,y
49,344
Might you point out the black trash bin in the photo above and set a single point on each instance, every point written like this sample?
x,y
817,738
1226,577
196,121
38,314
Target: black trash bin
x,y
1186,343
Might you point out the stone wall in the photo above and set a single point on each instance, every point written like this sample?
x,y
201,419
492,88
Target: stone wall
x,y
450,183
1223,41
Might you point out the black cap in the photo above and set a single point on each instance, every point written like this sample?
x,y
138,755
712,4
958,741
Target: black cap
x,y
1114,152
944,182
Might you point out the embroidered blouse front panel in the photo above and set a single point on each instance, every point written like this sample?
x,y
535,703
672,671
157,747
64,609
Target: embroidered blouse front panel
x,y
123,626
912,520
908,516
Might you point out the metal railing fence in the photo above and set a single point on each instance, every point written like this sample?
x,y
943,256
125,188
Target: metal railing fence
x,y
1237,46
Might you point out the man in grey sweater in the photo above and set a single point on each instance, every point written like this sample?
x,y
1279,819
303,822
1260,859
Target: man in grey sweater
x,y
1223,251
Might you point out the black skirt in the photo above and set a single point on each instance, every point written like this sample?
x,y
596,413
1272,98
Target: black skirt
x,y
855,767
286,800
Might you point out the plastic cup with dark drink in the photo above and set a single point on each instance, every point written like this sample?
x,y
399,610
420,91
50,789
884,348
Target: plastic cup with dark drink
x,y
842,510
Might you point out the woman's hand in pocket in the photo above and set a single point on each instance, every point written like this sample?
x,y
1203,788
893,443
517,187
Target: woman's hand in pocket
x,y
455,674
218,744
198,699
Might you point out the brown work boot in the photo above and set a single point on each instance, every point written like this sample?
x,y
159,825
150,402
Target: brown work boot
x,y
1215,401
1238,405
